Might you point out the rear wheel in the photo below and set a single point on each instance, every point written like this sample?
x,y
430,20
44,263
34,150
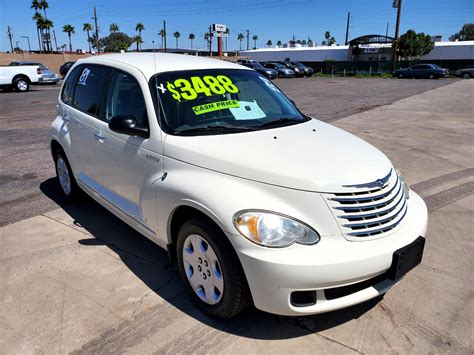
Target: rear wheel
x,y
466,76
400,76
65,177
280,75
431,76
211,270
21,84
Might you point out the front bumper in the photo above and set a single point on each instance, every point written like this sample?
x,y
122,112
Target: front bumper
x,y
48,79
288,75
274,274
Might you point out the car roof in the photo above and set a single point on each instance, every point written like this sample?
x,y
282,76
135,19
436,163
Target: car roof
x,y
151,63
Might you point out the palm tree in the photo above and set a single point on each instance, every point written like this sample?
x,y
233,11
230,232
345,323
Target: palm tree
x,y
177,35
140,27
36,5
69,29
332,40
206,38
138,39
162,34
227,32
327,35
44,5
240,37
255,38
323,43
114,28
191,38
269,43
47,25
278,43
86,28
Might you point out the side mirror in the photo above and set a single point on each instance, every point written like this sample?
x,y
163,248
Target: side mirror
x,y
127,124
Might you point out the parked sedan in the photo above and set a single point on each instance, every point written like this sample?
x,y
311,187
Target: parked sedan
x,y
269,73
426,71
465,73
282,70
307,70
299,72
47,76
63,69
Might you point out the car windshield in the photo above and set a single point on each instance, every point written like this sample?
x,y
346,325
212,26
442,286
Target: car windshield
x,y
198,102
258,65
280,66
297,64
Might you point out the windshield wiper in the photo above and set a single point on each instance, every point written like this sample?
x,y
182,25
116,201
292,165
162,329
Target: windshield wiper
x,y
215,128
280,122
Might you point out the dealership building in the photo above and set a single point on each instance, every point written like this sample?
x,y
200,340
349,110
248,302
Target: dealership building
x,y
371,52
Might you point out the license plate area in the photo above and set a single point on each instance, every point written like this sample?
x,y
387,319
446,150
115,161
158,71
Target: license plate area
x,y
406,258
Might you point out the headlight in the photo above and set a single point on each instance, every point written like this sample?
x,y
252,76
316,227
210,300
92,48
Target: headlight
x,y
273,230
404,183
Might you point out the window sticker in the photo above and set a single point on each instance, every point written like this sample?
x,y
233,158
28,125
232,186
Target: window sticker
x,y
247,110
215,106
189,89
83,78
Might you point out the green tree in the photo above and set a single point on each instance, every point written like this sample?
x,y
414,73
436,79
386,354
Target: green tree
x,y
87,27
303,43
113,28
191,37
465,34
177,35
116,42
37,6
240,37
255,39
279,43
413,45
207,39
269,43
327,35
162,34
332,41
138,40
139,28
69,29
46,24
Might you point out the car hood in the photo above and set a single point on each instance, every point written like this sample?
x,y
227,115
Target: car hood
x,y
311,156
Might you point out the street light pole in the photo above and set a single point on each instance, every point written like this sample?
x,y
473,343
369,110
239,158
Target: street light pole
x,y
28,39
398,4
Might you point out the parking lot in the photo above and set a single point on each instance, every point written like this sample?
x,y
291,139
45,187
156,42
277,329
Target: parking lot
x,y
76,279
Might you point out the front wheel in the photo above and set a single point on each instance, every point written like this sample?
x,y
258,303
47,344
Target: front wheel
x,y
431,76
466,76
211,270
280,75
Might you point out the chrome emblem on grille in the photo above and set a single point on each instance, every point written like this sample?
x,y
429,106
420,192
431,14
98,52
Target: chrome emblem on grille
x,y
377,183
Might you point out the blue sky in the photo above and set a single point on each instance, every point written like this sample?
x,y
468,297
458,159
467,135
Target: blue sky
x,y
269,19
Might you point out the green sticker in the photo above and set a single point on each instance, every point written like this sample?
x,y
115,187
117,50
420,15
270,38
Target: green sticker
x,y
215,106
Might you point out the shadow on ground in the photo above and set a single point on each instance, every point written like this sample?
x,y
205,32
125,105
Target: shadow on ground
x,y
151,264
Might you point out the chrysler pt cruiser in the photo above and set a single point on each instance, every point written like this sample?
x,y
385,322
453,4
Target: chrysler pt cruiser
x,y
257,202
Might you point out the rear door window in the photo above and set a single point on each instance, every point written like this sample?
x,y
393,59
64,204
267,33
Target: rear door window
x,y
89,89
68,88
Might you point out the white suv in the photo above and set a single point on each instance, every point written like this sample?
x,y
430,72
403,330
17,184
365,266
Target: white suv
x,y
256,201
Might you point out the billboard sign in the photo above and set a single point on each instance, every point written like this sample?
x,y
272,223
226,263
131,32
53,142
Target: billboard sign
x,y
219,28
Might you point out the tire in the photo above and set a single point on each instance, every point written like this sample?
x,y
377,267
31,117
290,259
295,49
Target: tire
x,y
280,75
431,76
65,177
466,76
21,84
400,76
207,261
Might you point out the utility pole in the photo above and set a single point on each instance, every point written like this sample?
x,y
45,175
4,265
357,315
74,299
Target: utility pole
x,y
210,41
55,42
386,33
164,29
248,36
96,32
347,27
10,36
398,5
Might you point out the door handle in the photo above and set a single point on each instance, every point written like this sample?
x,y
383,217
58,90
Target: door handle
x,y
99,137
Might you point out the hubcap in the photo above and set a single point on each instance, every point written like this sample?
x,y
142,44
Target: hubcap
x,y
63,175
22,85
203,269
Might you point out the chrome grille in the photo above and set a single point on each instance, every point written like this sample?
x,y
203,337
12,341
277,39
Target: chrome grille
x,y
366,212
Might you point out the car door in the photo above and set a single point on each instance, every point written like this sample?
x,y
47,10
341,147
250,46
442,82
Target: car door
x,y
85,110
129,165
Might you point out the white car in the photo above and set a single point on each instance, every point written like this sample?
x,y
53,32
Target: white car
x,y
256,201
19,77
